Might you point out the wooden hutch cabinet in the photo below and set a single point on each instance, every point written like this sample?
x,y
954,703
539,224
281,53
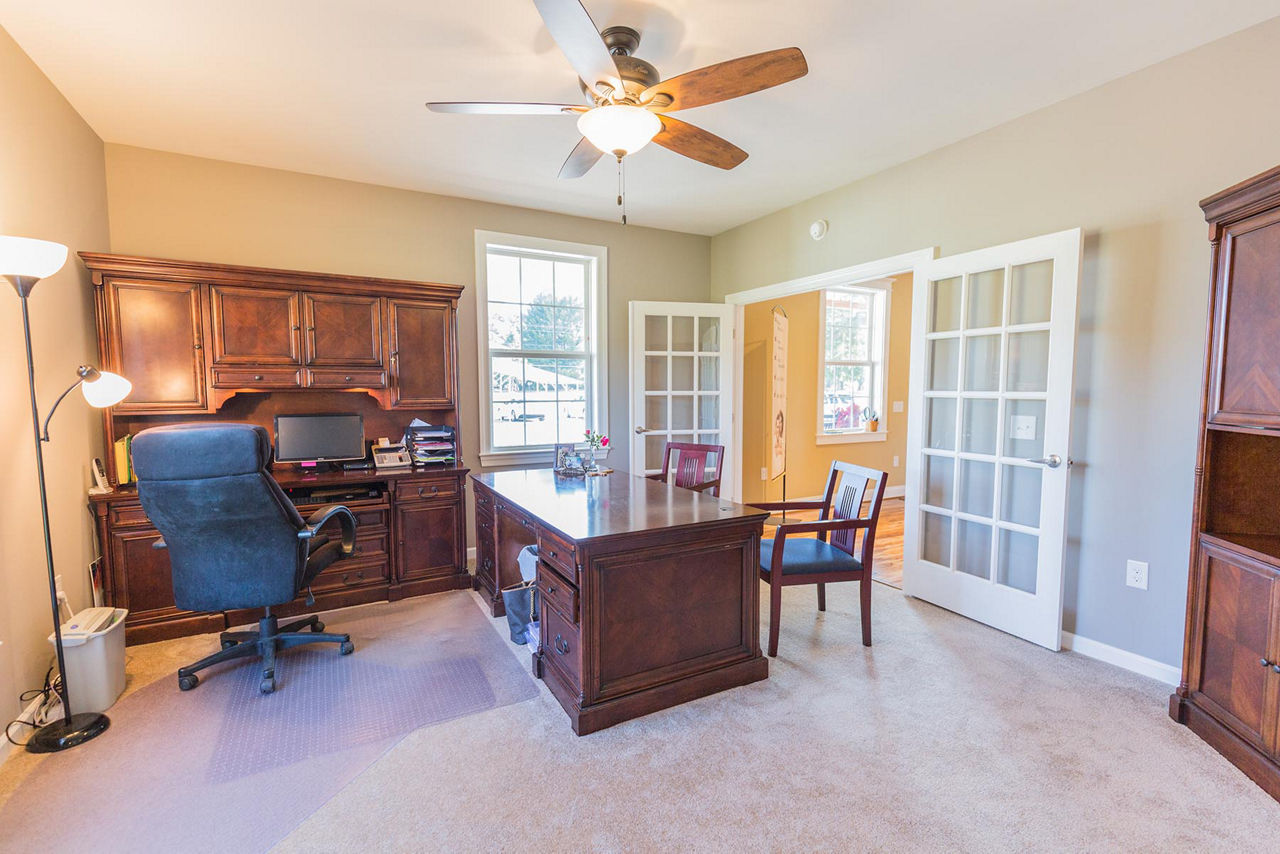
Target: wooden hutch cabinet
x,y
1230,689
210,342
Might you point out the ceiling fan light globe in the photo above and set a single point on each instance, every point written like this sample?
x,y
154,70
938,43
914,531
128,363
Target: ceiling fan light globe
x,y
619,128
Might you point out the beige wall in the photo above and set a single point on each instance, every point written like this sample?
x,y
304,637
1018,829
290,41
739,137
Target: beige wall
x,y
174,206
52,186
807,461
1127,162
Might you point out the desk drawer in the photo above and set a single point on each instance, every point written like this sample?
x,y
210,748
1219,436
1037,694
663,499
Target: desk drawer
x,y
558,553
484,503
128,515
426,488
561,647
355,378
557,594
352,573
257,378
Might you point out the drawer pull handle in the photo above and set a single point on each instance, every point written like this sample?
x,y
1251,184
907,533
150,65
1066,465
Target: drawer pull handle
x,y
1266,663
435,490
257,377
562,645
551,591
551,553
346,578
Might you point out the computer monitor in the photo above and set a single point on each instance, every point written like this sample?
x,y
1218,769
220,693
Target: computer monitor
x,y
323,437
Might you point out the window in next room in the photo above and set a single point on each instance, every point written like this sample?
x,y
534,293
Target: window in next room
x,y
541,337
854,322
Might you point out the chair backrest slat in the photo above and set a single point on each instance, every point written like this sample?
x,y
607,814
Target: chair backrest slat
x,y
695,465
846,493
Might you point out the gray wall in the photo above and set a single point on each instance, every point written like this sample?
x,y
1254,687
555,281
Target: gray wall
x,y
1127,162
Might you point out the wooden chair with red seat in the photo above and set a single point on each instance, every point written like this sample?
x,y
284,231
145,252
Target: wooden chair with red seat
x,y
833,555
692,466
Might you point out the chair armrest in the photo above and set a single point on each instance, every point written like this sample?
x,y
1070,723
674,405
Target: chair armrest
x,y
788,505
160,544
703,487
660,478
820,527
320,517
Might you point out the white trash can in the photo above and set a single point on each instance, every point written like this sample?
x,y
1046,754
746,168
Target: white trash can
x,y
93,649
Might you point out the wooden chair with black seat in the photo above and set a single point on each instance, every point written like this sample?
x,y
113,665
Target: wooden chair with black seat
x,y
693,464
834,554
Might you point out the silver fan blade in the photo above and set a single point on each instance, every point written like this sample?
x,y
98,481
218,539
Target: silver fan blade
x,y
579,39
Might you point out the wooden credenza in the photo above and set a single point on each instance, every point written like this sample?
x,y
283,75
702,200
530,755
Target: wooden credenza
x,y
1230,688
215,342
649,592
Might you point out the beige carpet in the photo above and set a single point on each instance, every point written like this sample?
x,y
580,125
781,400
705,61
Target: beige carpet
x,y
944,735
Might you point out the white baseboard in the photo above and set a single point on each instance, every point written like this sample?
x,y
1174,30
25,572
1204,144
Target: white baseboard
x,y
1139,664
895,491
471,555
28,715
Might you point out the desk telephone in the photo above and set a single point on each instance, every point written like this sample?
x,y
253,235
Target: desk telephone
x,y
390,455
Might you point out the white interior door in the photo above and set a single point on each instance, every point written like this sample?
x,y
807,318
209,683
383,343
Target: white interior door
x,y
992,357
681,381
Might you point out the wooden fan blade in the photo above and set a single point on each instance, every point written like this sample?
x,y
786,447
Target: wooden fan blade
x,y
698,144
499,108
579,39
726,80
580,160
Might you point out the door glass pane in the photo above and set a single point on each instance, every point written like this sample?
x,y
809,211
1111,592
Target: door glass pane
x,y
709,334
1019,556
944,364
940,418
1024,428
1028,361
973,548
682,333
1020,495
709,412
982,363
939,475
655,332
986,299
944,313
655,373
682,411
682,373
977,494
708,373
655,412
655,445
978,431
1031,292
935,538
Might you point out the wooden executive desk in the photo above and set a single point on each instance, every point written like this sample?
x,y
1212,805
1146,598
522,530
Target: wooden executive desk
x,y
649,592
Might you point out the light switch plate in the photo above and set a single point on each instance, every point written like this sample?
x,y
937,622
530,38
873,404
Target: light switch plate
x,y
897,406
1023,426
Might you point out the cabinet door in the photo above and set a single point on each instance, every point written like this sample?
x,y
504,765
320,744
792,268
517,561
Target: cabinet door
x,y
145,581
427,539
1235,671
343,330
254,326
157,339
423,352
1246,362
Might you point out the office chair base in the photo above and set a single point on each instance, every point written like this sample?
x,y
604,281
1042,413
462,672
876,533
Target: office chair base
x,y
270,638
62,735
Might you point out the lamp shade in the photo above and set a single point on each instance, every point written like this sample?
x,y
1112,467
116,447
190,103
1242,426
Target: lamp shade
x,y
30,258
107,389
619,128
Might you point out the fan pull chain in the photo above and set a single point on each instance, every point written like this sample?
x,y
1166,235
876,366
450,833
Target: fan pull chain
x,y
622,188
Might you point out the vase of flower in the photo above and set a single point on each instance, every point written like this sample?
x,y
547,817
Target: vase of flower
x,y
598,449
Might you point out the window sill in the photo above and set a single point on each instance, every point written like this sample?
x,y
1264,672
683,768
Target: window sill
x,y
526,459
850,438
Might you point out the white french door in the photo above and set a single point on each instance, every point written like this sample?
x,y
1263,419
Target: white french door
x,y
681,381
992,360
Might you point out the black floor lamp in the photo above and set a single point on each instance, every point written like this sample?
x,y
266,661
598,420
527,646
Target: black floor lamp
x,y
24,262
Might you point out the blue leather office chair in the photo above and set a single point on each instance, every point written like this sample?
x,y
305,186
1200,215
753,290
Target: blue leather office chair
x,y
234,539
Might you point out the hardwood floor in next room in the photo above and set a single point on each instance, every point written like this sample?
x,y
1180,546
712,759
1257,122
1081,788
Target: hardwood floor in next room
x,y
887,566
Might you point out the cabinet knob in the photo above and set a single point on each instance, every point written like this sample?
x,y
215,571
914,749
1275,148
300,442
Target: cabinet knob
x,y
296,328
348,379
199,347
1265,663
257,377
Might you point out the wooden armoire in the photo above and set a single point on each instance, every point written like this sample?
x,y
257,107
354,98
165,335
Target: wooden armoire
x,y
1230,689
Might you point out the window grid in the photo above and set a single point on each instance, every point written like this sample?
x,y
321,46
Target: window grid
x,y
871,321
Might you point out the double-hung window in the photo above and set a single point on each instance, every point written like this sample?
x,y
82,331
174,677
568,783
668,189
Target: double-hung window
x,y
854,323
542,374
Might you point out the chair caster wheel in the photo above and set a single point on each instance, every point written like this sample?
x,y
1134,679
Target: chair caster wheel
x,y
268,685
186,683
317,626
347,648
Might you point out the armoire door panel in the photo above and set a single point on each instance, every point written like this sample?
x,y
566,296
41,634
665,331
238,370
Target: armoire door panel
x,y
157,344
343,330
422,353
254,326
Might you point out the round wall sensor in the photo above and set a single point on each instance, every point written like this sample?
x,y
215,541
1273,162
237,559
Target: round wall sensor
x,y
818,229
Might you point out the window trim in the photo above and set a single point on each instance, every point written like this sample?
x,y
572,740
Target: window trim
x,y
883,289
596,331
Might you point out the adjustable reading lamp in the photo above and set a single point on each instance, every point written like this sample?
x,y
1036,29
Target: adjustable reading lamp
x,y
24,262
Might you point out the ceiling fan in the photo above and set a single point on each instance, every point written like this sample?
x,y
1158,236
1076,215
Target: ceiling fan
x,y
630,104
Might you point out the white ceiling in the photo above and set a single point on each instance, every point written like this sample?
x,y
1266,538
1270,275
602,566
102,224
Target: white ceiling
x,y
336,87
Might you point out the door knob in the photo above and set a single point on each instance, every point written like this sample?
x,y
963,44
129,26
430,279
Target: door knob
x,y
1052,461
642,430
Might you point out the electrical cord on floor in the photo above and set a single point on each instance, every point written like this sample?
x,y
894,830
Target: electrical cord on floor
x,y
50,698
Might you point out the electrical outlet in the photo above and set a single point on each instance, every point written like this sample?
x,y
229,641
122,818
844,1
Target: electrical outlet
x,y
1135,574
895,460
764,473
897,406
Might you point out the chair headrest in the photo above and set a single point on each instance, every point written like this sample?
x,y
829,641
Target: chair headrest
x,y
193,451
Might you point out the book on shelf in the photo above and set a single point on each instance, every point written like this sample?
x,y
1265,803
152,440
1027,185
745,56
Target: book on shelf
x,y
122,450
